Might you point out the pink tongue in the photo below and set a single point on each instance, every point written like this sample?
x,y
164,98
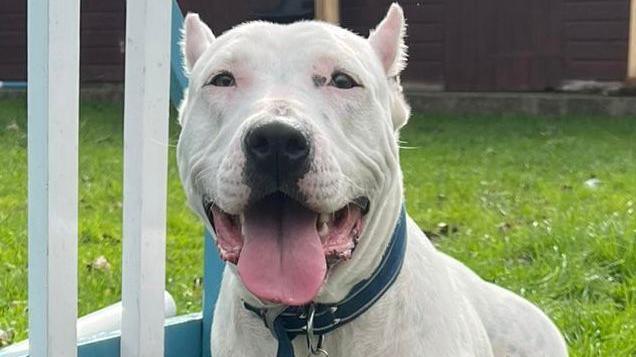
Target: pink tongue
x,y
282,259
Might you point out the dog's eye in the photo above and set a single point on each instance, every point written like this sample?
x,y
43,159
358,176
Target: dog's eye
x,y
343,81
223,79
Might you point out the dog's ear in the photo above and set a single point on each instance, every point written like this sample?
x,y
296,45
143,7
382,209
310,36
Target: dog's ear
x,y
387,41
197,37
400,109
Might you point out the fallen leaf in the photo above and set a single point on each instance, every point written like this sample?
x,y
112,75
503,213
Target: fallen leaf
x,y
504,226
6,337
13,126
100,263
592,183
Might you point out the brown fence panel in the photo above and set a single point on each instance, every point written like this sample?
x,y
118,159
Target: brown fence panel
x,y
13,40
425,19
595,39
503,45
465,45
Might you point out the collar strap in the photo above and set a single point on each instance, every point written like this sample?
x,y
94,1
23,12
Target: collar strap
x,y
293,321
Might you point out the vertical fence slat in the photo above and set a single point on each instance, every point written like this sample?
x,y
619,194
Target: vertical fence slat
x,y
147,89
53,105
631,57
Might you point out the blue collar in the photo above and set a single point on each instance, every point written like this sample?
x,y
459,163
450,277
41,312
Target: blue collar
x,y
297,320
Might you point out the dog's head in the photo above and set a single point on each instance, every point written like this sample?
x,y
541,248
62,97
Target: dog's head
x,y
288,140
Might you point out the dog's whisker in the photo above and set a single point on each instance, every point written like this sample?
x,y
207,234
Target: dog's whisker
x,y
168,145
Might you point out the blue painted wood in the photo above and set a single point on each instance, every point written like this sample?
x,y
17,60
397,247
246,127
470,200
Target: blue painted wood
x,y
213,266
182,339
100,346
212,275
183,336
178,77
13,85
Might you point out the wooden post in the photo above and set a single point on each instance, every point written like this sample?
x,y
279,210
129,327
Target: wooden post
x,y
631,61
327,10
147,88
53,112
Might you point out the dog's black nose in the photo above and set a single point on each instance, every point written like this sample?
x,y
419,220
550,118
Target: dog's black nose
x,y
277,149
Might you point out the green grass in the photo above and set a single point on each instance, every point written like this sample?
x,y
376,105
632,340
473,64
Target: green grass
x,y
505,195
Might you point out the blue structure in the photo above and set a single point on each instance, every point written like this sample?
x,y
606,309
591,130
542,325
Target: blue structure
x,y
13,85
185,336
189,335
178,78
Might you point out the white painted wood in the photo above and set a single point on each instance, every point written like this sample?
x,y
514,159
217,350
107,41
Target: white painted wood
x,y
147,88
53,75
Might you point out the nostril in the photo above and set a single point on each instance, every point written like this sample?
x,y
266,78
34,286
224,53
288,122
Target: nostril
x,y
296,148
259,145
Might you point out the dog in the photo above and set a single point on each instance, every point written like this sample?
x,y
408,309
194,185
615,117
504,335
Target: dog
x,y
288,153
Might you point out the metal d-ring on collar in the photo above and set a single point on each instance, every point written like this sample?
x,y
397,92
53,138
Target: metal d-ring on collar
x,y
316,350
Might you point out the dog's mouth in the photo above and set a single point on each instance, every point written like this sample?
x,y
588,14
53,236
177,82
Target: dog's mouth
x,y
283,249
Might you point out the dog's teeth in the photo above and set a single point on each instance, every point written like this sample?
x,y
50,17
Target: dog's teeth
x,y
323,218
324,229
356,235
241,219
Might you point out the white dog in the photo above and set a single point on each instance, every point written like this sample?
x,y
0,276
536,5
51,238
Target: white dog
x,y
289,154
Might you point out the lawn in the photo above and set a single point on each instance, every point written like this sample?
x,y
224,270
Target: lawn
x,y
542,206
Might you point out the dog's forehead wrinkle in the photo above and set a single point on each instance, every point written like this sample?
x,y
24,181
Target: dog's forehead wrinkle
x,y
263,42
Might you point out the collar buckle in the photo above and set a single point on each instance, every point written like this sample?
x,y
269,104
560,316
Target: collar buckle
x,y
317,349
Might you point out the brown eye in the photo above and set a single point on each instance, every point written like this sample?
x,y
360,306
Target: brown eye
x,y
342,81
223,79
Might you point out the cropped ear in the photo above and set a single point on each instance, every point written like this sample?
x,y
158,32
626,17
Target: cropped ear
x,y
387,41
197,37
400,109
